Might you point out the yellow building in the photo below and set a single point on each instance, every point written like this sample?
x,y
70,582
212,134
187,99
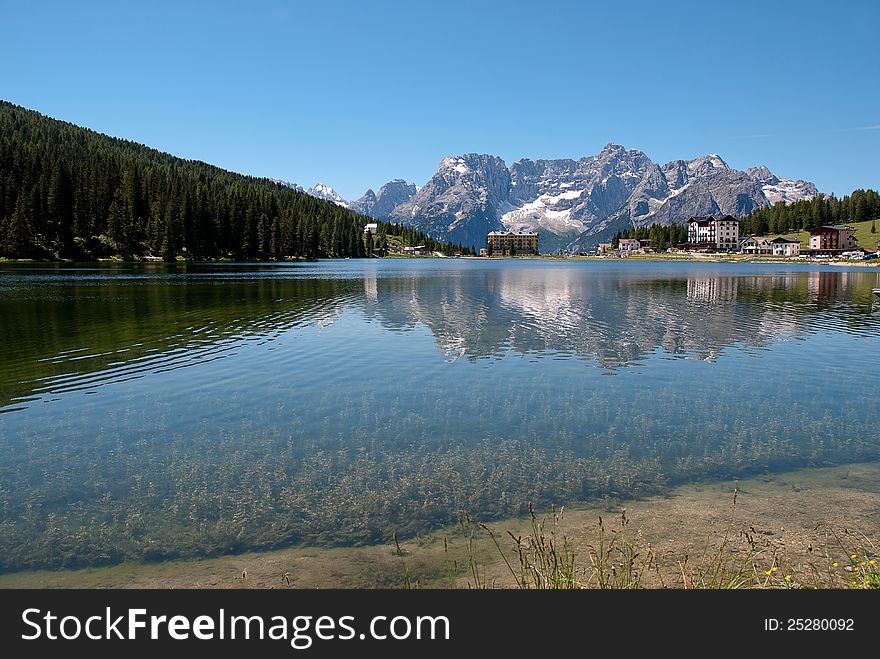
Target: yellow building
x,y
511,243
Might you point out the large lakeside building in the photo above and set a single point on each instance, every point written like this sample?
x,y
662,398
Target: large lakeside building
x,y
755,245
831,240
783,246
711,233
628,245
511,243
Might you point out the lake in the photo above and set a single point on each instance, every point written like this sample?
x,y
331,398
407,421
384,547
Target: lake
x,y
152,411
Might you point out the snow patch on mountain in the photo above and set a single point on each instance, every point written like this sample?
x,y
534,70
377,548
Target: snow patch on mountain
x,y
322,191
548,212
787,191
455,164
287,184
778,189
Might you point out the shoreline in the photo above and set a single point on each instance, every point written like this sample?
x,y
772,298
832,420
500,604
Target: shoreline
x,y
659,258
795,518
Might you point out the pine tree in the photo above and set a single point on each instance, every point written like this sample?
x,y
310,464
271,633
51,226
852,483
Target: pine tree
x,y
133,196
368,239
117,222
60,209
264,236
169,242
155,230
275,242
20,233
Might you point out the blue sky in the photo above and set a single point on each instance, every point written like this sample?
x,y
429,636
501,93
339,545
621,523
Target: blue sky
x,y
356,93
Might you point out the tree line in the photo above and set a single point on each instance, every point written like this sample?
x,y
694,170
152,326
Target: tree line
x,y
661,236
70,192
860,206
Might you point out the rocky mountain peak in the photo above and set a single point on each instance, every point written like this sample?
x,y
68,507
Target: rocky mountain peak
x,y
390,196
323,191
612,148
707,165
762,174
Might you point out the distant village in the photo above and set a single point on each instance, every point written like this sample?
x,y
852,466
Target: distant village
x,y
705,235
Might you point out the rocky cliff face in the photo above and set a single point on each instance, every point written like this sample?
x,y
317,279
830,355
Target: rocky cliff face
x,y
391,195
776,189
462,202
563,198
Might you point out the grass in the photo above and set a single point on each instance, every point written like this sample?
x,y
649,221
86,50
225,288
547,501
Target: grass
x,y
860,566
863,236
611,555
545,559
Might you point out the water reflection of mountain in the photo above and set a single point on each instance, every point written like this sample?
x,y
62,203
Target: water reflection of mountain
x,y
614,320
74,333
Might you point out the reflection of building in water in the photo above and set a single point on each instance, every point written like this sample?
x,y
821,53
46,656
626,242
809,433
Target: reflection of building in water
x,y
712,289
371,288
824,285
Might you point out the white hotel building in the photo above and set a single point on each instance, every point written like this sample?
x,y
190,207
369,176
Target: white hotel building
x,y
713,233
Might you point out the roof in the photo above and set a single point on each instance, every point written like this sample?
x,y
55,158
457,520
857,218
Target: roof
x,y
513,233
699,219
783,239
830,227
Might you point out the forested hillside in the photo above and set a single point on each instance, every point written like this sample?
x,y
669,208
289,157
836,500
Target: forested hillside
x,y
70,192
860,206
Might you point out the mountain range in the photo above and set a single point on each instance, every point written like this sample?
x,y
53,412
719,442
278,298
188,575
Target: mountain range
x,y
573,204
